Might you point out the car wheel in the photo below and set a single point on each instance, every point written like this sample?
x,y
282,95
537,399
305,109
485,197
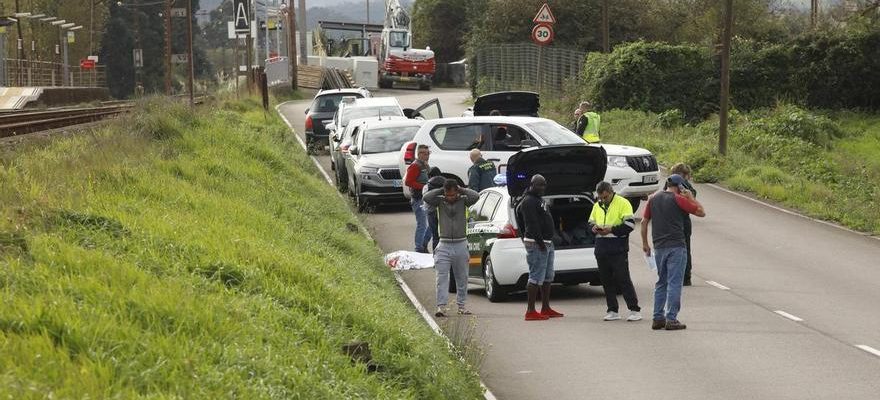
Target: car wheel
x,y
341,181
635,201
494,292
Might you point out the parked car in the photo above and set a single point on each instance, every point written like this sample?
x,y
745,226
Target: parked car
x,y
373,176
323,107
354,109
632,171
497,253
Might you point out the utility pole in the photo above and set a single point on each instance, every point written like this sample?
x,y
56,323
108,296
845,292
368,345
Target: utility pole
x,y
189,41
303,50
814,13
606,47
291,46
368,11
168,47
725,76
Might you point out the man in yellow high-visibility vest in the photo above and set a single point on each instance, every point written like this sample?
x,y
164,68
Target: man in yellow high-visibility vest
x,y
588,124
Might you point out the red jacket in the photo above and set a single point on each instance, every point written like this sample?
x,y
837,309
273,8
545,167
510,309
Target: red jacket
x,y
413,174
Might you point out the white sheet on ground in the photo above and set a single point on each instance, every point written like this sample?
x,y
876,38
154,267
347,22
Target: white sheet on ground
x,y
405,260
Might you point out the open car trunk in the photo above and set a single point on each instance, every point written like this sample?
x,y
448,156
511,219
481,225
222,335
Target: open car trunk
x,y
570,216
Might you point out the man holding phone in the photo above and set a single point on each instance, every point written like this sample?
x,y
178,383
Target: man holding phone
x,y
666,212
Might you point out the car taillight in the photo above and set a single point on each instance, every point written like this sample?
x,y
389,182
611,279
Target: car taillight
x,y
309,123
508,232
409,155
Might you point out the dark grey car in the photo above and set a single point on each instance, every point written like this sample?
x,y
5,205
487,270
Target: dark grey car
x,y
322,109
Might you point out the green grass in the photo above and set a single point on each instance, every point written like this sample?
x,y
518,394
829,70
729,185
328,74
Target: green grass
x,y
181,255
826,165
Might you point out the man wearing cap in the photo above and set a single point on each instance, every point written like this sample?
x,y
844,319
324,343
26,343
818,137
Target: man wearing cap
x,y
666,212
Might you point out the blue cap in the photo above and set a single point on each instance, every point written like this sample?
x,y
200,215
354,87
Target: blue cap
x,y
675,180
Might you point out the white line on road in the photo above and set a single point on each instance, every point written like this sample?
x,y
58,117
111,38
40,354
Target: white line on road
x,y
487,394
789,316
303,144
718,285
869,349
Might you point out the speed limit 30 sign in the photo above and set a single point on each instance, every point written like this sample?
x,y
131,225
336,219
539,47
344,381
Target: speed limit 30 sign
x,y
542,34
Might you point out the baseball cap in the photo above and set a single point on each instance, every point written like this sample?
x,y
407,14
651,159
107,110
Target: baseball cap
x,y
675,180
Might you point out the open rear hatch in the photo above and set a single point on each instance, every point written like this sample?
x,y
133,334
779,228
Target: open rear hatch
x,y
508,103
569,169
572,171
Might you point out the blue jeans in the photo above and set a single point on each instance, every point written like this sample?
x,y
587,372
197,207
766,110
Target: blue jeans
x,y
667,292
540,263
423,234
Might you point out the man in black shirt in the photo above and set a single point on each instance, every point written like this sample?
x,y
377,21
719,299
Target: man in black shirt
x,y
536,226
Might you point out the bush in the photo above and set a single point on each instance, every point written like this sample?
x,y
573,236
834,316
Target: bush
x,y
792,121
670,119
651,77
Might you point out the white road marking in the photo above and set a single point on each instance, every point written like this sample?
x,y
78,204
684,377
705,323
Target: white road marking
x,y
789,316
487,394
303,144
869,349
718,285
524,372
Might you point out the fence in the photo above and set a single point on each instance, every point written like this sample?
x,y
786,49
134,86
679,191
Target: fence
x,y
43,74
525,66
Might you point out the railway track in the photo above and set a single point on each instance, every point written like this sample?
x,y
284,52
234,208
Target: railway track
x,y
20,123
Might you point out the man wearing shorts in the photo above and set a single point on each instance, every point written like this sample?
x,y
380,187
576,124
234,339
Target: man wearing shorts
x,y
536,226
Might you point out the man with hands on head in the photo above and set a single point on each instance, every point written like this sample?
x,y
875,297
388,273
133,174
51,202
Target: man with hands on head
x,y
451,203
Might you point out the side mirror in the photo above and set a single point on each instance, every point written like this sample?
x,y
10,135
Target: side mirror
x,y
335,137
307,111
409,113
353,150
529,143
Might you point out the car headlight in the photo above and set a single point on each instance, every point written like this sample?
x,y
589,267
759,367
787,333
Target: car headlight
x,y
617,161
368,170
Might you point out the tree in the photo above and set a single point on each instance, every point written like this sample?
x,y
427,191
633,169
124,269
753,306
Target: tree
x,y
441,24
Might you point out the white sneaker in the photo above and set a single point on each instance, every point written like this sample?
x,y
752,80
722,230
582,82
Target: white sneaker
x,y
634,316
612,316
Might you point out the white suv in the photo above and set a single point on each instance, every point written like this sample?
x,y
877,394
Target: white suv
x,y
632,171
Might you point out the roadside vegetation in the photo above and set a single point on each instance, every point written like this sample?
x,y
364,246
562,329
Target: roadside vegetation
x,y
824,164
198,255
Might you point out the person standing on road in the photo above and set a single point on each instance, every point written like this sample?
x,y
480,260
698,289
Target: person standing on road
x,y
612,221
587,125
435,181
452,203
666,212
481,174
536,223
685,171
416,178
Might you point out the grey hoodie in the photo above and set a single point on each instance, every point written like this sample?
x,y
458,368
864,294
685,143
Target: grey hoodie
x,y
452,218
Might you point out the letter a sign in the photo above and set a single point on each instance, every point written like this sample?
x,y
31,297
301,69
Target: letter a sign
x,y
242,16
545,16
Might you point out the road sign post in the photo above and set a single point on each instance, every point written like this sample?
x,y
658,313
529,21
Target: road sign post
x,y
542,35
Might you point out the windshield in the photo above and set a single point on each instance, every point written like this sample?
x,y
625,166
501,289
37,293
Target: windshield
x,y
553,133
387,140
329,103
368,112
397,39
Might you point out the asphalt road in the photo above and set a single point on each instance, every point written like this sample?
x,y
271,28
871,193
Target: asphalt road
x,y
761,260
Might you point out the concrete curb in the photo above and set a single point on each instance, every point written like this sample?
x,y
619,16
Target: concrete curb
x,y
487,394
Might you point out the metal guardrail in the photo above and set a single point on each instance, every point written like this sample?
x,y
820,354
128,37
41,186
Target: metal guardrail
x,y
28,73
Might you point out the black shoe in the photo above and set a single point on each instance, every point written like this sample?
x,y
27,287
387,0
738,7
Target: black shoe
x,y
687,282
674,325
658,324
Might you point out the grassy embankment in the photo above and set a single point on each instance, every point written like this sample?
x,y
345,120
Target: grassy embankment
x,y
174,255
826,165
